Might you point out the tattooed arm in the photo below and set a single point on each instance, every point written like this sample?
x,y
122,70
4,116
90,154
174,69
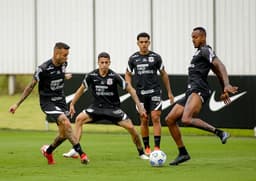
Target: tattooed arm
x,y
24,95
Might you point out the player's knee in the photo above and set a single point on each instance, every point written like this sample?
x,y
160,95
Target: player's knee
x,y
130,127
186,120
67,123
155,119
79,121
169,121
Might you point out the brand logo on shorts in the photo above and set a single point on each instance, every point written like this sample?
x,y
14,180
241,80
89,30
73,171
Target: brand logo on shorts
x,y
118,111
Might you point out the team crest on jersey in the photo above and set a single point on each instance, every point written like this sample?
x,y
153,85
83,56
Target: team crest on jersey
x,y
151,59
109,81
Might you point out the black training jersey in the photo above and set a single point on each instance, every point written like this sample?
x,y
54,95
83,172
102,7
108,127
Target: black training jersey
x,y
104,89
51,79
199,68
145,69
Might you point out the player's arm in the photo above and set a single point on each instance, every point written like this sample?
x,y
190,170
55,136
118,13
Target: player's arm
x,y
26,92
128,77
220,70
79,92
135,98
167,84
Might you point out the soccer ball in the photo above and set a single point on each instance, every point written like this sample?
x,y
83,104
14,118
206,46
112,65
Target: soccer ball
x,y
157,158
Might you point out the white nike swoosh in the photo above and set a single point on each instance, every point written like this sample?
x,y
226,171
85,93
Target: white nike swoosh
x,y
122,98
166,103
70,97
217,105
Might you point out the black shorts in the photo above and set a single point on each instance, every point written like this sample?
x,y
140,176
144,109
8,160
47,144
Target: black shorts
x,y
114,114
53,109
204,95
151,101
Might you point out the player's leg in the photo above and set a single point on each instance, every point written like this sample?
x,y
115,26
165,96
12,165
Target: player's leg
x,y
155,117
171,121
66,129
144,123
192,108
81,119
144,128
47,151
155,107
127,124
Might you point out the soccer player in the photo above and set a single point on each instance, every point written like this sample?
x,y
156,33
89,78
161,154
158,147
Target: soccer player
x,y
145,65
198,91
103,83
51,75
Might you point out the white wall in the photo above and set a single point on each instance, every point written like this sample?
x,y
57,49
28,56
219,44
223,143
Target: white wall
x,y
117,24
30,28
71,22
17,34
236,35
173,24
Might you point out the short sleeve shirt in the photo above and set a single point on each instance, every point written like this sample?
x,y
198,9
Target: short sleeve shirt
x,y
51,79
199,68
145,68
104,89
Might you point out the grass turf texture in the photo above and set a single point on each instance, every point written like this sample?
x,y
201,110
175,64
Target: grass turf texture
x,y
112,154
113,157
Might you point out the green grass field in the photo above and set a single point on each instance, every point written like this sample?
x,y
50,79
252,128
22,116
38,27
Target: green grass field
x,y
113,157
112,154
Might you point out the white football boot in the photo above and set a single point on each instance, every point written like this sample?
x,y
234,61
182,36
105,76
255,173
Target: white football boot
x,y
144,157
71,154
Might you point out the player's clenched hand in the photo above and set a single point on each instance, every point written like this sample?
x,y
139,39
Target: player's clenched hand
x,y
13,108
225,95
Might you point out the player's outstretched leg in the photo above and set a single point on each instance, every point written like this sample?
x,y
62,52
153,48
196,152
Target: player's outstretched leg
x,y
222,135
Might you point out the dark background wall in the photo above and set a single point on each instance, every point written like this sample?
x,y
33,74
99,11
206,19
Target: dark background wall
x,y
241,113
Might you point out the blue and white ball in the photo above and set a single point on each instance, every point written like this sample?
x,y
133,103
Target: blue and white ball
x,y
157,158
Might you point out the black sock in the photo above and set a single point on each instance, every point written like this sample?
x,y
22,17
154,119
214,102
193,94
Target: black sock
x,y
157,141
140,151
146,141
50,149
183,151
218,132
78,148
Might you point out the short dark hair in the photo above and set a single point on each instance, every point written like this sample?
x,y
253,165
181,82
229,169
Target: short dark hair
x,y
143,34
201,29
61,45
103,55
